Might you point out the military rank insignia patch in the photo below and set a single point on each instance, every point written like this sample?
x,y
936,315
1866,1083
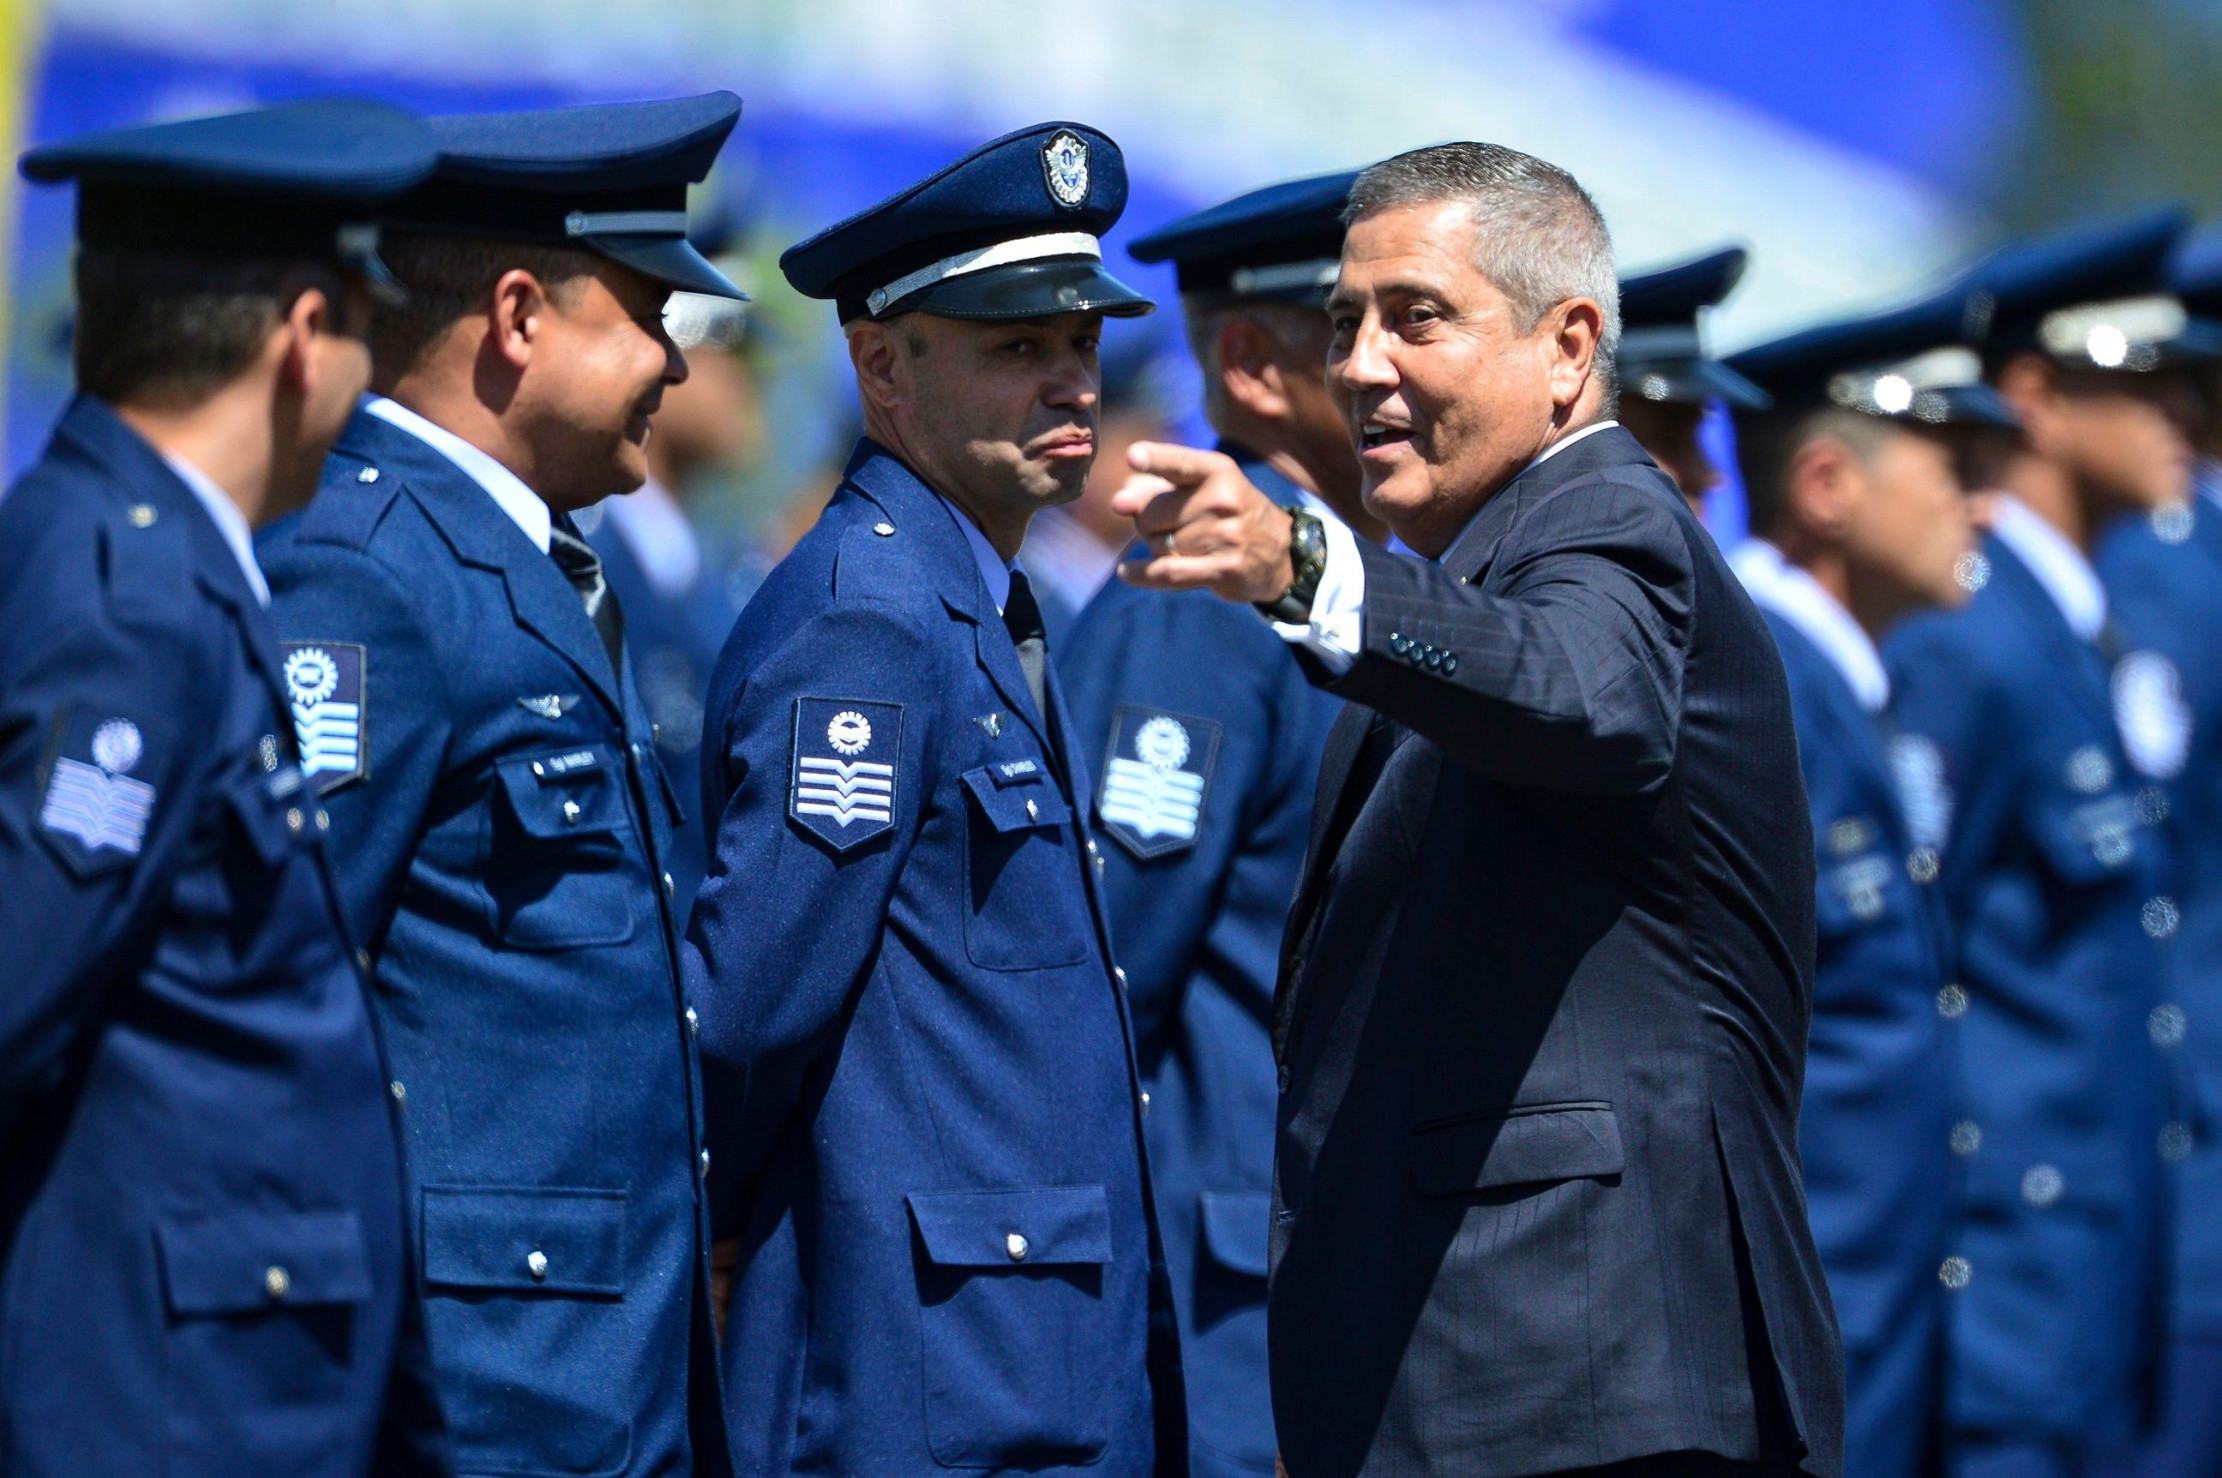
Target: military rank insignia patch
x,y
95,811
1156,772
324,686
842,786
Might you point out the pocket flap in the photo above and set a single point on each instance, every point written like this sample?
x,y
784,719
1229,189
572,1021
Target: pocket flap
x,y
240,1261
565,792
1016,804
554,1238
262,804
1237,1227
1547,1142
981,1229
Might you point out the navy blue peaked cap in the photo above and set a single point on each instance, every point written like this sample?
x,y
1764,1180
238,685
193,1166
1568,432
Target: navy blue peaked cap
x,y
302,180
609,178
1280,243
2098,296
1662,338
1011,230
1913,363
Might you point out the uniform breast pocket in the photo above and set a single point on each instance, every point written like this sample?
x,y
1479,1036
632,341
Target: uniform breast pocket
x,y
1025,895
1855,893
1017,1339
263,1310
561,869
2085,840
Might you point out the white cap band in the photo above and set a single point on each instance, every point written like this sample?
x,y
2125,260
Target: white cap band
x,y
2109,334
1001,254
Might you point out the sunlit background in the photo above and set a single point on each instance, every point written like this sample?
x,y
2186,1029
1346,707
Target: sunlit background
x,y
1857,149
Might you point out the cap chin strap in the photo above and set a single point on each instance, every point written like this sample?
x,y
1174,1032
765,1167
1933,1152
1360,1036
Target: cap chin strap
x,y
625,223
1284,277
1001,254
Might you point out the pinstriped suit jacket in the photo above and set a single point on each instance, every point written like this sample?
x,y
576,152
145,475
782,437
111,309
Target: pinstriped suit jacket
x,y
1542,1013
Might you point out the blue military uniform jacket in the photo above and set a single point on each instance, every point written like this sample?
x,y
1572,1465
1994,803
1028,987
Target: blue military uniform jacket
x,y
2164,580
203,1264
673,639
1204,738
1880,1071
2057,1271
499,821
925,1111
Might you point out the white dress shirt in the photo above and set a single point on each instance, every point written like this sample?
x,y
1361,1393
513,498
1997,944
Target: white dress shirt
x,y
1820,617
229,521
2062,569
1335,631
521,503
995,570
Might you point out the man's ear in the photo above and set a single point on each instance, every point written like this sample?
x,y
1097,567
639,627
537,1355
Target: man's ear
x,y
516,316
1576,326
880,363
293,339
1249,363
1821,488
2030,384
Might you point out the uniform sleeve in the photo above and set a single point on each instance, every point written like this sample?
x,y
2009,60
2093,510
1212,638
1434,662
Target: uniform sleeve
x,y
103,783
1958,786
1569,676
329,595
788,924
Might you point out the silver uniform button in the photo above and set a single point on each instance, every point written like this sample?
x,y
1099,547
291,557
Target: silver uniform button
x,y
1145,1102
2176,1141
1118,973
669,886
1967,1137
538,768
571,812
2166,1025
2159,917
399,1090
2041,1185
323,820
362,958
1921,865
883,529
293,818
368,474
1956,1273
694,1022
705,1164
2152,805
536,1263
277,1282
142,515
1033,812
1015,1246
1952,1002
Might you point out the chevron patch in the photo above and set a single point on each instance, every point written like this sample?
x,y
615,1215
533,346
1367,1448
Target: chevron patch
x,y
324,686
846,754
1156,773
95,812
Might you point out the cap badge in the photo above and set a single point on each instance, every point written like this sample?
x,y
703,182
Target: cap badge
x,y
1065,169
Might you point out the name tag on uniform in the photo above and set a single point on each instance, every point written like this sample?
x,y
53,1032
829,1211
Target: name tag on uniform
x,y
842,784
324,686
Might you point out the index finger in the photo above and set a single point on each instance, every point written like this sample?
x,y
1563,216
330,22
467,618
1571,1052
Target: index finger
x,y
1183,466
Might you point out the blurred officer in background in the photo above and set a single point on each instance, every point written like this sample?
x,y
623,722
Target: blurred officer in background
x,y
202,1243
458,678
922,1088
2163,575
1667,378
1204,739
1859,518
680,591
2015,770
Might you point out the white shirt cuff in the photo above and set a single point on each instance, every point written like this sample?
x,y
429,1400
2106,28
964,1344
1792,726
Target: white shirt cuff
x,y
1334,631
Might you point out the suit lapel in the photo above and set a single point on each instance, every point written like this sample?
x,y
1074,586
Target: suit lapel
x,y
541,599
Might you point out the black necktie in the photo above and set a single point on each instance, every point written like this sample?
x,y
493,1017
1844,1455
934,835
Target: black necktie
x,y
583,568
1022,617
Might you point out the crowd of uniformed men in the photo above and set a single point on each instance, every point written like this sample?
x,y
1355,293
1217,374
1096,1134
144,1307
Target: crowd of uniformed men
x,y
393,1039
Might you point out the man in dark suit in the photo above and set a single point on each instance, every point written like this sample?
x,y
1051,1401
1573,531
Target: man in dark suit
x,y
1544,994
477,733
204,1260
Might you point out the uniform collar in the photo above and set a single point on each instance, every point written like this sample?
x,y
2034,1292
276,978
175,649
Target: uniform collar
x,y
995,571
1799,599
1066,562
229,521
655,528
1398,546
508,491
2061,568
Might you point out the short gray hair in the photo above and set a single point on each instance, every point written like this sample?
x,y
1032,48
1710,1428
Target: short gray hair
x,y
1541,238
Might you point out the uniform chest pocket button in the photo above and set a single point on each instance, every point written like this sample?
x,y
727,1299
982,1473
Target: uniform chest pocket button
x,y
1026,895
561,870
271,810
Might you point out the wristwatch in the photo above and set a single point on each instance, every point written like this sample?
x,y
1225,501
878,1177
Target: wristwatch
x,y
1307,557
